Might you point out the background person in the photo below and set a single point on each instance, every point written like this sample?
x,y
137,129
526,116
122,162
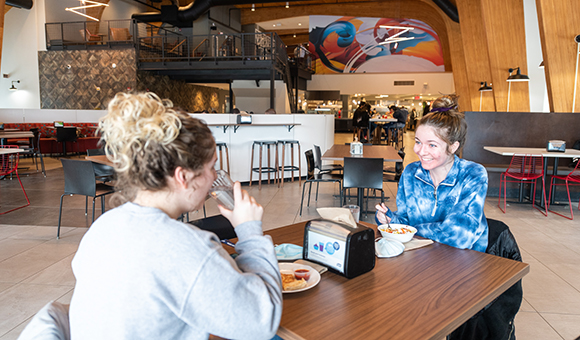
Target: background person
x,y
140,274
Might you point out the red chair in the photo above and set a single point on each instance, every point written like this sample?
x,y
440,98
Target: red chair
x,y
574,176
523,168
9,165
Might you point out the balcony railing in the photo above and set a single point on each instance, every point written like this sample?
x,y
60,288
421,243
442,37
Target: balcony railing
x,y
89,34
216,47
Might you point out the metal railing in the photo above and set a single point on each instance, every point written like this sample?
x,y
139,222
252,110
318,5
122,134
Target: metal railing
x,y
218,47
87,34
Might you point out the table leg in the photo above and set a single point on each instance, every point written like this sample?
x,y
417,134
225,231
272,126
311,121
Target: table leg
x,y
542,203
360,198
554,173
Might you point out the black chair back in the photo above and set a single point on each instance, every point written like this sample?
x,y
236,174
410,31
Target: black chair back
x,y
66,134
311,163
101,170
363,173
218,225
317,157
79,177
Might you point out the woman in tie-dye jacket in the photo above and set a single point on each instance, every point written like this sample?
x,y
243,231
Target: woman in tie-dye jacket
x,y
442,195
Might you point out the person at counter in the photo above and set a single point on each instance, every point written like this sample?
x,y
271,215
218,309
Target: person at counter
x,y
142,274
442,195
360,120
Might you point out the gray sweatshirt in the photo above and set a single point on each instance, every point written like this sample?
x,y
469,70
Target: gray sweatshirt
x,y
142,275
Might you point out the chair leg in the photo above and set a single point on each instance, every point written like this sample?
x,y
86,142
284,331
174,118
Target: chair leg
x,y
302,199
317,186
86,205
42,164
309,192
59,217
24,191
252,165
93,210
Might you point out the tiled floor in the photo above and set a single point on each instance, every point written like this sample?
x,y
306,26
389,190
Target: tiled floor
x,y
35,267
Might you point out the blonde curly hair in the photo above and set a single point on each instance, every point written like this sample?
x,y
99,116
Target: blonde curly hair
x,y
447,121
147,139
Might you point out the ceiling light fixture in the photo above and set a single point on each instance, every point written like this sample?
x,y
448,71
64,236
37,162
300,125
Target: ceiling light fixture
x,y
287,4
253,7
14,88
514,77
299,24
85,6
518,76
541,64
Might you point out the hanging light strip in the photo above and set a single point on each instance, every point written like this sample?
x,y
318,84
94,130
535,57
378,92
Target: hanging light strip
x,y
85,6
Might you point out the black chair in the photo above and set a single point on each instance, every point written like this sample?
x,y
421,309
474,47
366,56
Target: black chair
x,y
318,163
496,320
104,173
218,225
393,173
66,134
317,178
32,148
79,179
363,173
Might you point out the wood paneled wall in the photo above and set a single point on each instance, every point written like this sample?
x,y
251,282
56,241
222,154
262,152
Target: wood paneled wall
x,y
506,45
559,24
474,45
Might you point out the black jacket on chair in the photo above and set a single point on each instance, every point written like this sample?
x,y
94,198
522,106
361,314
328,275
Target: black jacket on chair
x,y
495,321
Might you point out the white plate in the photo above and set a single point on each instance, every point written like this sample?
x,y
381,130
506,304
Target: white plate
x,y
393,248
291,267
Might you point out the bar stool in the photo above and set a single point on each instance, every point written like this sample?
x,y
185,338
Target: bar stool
x,y
260,168
220,146
396,133
290,167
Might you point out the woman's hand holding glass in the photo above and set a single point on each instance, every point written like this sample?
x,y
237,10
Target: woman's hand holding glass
x,y
381,213
245,209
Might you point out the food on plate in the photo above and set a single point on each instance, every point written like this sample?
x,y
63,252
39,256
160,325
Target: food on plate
x,y
289,282
302,274
402,230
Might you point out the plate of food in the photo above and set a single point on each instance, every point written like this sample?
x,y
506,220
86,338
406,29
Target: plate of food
x,y
298,277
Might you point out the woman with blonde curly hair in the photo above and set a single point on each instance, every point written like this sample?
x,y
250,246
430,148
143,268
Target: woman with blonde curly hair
x,y
140,273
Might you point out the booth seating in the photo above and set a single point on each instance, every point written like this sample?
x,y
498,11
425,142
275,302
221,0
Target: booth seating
x,y
48,143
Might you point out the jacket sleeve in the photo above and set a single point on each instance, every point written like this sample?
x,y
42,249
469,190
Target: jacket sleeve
x,y
462,225
243,299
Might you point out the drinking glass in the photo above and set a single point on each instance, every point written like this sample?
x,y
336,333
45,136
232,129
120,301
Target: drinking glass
x,y
354,210
222,190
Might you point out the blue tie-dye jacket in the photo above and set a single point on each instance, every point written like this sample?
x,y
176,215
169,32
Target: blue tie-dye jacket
x,y
452,213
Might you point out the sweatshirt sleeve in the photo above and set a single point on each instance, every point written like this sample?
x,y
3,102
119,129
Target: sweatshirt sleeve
x,y
462,225
241,299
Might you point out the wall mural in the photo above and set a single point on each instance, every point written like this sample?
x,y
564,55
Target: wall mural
x,y
373,45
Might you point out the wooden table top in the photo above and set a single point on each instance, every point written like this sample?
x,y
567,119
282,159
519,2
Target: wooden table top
x,y
510,151
16,134
101,159
5,151
338,151
424,293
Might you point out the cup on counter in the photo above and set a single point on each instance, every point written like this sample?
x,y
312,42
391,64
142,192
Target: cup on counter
x,y
354,210
222,190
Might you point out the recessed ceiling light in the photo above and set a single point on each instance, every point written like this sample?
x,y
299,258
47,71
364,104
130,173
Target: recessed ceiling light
x,y
287,4
299,24
253,7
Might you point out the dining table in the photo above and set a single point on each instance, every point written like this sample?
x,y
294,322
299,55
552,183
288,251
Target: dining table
x,y
511,151
381,121
101,159
14,134
424,293
339,151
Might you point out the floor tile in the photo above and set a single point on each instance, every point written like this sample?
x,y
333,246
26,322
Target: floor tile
x,y
568,326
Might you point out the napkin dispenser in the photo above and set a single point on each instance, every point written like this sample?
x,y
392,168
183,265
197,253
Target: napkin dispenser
x,y
343,249
356,148
556,146
244,119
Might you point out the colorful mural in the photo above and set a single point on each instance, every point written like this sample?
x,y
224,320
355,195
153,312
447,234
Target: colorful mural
x,y
373,45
